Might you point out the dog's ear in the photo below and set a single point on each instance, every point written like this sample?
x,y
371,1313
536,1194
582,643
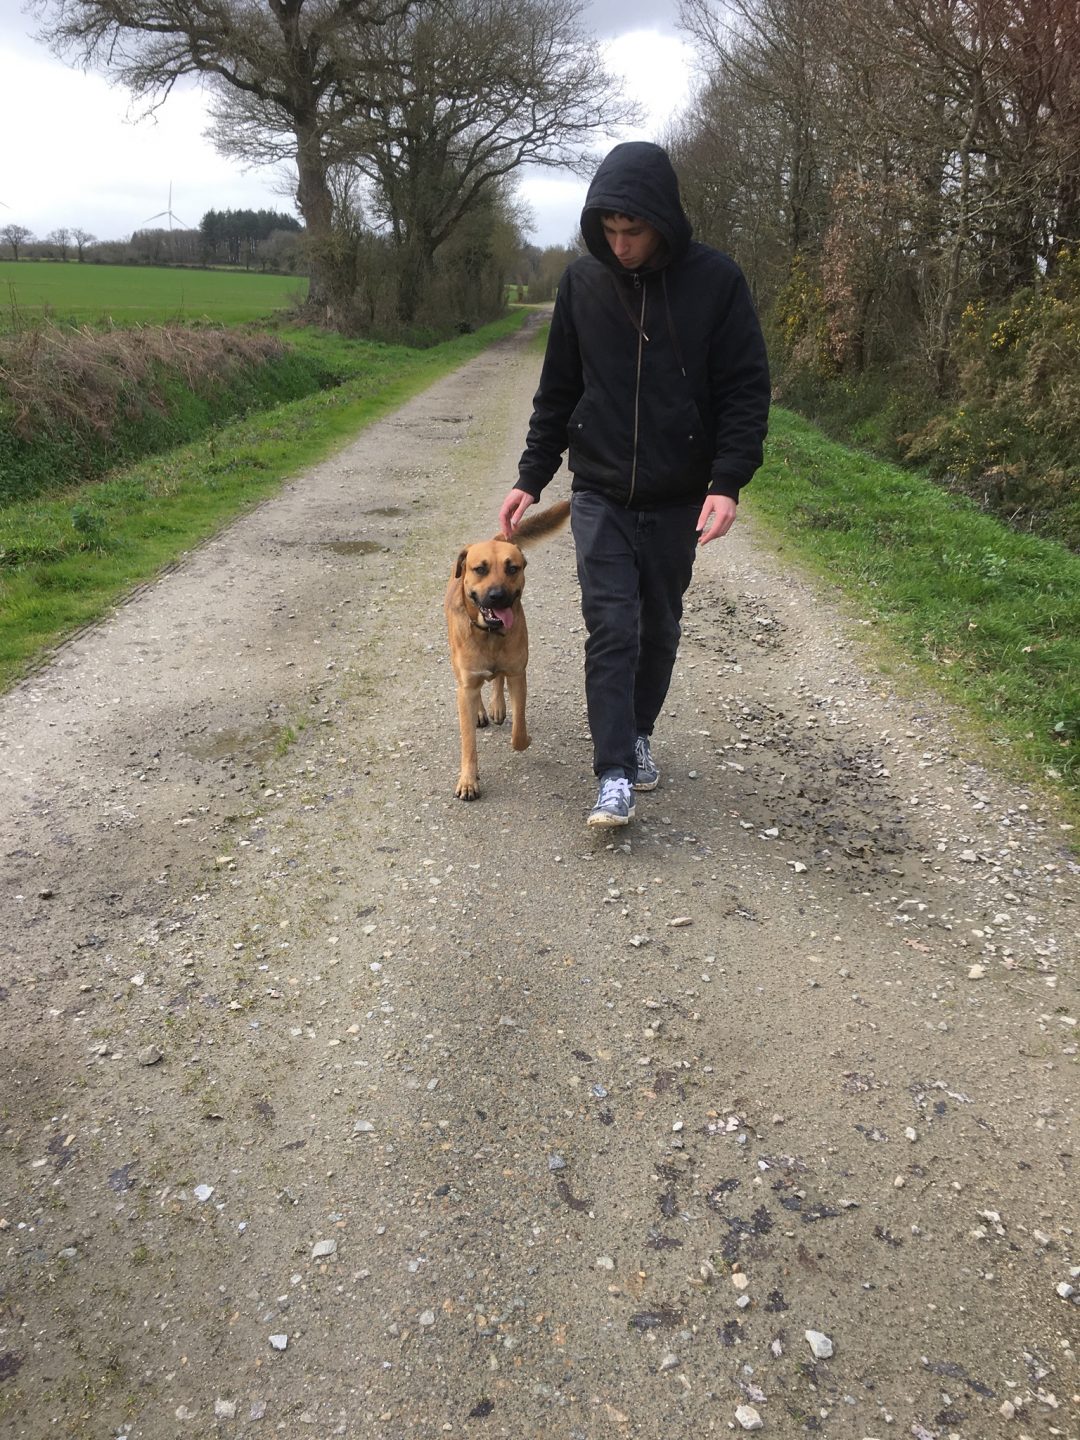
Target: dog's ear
x,y
459,566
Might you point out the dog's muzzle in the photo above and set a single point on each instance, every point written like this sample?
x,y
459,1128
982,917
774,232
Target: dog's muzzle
x,y
495,613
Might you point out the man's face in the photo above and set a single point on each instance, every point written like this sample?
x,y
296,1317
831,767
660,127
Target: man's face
x,y
633,242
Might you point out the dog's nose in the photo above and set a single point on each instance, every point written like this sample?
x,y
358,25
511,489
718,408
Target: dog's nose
x,y
498,596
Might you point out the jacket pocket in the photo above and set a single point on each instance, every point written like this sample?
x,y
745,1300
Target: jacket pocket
x,y
586,441
682,439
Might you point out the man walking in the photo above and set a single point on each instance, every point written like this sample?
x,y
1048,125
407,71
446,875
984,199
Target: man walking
x,y
656,379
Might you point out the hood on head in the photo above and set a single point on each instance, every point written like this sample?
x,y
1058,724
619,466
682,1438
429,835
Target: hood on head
x,y
637,179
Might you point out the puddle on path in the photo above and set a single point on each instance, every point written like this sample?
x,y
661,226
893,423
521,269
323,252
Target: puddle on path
x,y
351,547
236,744
337,547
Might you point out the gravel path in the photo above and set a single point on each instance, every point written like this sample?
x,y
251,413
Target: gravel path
x,y
332,1105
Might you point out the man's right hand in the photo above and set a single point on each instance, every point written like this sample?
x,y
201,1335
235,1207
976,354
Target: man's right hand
x,y
513,511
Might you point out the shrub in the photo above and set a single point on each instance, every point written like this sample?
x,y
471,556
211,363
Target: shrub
x,y
1011,441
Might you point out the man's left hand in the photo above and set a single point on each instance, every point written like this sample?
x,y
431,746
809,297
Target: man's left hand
x,y
716,518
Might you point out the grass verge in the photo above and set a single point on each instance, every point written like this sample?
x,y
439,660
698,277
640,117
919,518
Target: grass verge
x,y
990,616
67,556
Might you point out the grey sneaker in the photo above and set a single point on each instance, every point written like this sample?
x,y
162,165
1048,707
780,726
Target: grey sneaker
x,y
614,802
648,776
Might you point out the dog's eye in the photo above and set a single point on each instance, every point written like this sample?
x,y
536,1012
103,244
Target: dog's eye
x,y
511,568
481,569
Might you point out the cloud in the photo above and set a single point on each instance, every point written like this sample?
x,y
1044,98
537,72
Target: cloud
x,y
79,155
657,69
85,158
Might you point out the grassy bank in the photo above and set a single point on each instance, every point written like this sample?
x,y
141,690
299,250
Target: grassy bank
x,y
989,616
77,404
68,555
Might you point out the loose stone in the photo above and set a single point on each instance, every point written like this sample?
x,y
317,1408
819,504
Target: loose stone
x,y
820,1344
748,1417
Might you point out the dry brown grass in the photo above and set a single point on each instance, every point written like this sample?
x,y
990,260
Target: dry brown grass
x,y
86,380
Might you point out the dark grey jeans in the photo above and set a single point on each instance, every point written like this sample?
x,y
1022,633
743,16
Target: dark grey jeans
x,y
633,567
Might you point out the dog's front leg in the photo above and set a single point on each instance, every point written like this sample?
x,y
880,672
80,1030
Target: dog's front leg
x,y
498,701
519,736
469,705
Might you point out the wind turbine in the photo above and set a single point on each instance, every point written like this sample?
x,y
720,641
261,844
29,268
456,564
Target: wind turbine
x,y
168,211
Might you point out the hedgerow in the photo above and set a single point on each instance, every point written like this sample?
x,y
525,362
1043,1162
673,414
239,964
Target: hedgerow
x,y
1006,434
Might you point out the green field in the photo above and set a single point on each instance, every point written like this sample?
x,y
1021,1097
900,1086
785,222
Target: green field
x,y
137,294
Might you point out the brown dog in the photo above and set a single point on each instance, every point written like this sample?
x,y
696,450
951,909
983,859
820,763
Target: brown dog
x,y
489,639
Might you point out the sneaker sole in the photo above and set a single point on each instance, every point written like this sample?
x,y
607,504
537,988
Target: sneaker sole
x,y
609,821
647,784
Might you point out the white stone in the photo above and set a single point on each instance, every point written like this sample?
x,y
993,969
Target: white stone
x,y
748,1417
820,1344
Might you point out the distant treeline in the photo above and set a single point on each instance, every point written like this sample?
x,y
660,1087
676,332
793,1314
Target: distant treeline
x,y
251,239
234,236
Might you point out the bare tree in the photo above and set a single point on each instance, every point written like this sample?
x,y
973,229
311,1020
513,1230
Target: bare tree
x,y
288,57
468,92
777,57
478,89
61,238
81,238
911,156
16,236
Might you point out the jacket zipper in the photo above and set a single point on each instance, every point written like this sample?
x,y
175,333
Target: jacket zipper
x,y
638,282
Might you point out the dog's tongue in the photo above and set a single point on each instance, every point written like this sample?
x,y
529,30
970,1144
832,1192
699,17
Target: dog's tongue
x,y
505,616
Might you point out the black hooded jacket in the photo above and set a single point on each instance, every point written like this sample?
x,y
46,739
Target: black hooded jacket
x,y
656,379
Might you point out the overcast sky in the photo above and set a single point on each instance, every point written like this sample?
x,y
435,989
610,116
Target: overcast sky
x,y
75,152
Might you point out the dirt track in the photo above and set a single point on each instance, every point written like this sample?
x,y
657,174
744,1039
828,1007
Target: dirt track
x,y
332,1105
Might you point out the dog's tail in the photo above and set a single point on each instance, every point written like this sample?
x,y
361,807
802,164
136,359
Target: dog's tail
x,y
543,522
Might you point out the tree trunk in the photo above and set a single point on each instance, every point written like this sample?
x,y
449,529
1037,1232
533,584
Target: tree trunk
x,y
961,238
331,257
415,266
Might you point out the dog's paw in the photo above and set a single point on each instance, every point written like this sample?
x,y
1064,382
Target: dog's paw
x,y
482,721
468,788
498,714
520,742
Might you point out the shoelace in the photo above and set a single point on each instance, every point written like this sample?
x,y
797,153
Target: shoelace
x,y
617,788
